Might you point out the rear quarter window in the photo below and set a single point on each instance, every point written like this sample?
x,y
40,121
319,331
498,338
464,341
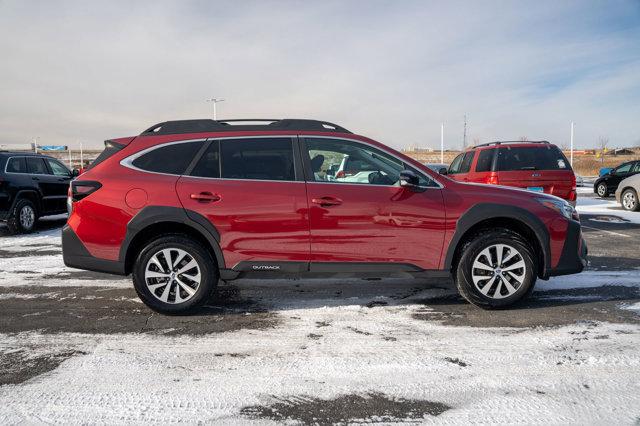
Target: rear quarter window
x,y
485,160
170,159
531,158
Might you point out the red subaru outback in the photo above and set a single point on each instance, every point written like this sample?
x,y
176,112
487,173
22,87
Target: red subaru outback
x,y
188,203
536,166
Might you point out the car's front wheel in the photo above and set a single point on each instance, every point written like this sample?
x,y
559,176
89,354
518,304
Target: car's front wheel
x,y
174,274
602,190
496,269
629,200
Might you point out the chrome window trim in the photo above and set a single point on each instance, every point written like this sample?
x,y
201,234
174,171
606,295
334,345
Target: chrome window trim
x,y
440,185
128,161
25,173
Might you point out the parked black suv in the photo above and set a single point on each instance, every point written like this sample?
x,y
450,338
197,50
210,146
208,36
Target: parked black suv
x,y
607,184
31,186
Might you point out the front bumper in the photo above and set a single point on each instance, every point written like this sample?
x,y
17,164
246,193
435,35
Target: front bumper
x,y
573,258
76,255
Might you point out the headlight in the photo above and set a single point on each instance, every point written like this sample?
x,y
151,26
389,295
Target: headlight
x,y
561,206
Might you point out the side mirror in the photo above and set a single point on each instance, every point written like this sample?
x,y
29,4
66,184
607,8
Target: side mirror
x,y
409,179
443,170
75,173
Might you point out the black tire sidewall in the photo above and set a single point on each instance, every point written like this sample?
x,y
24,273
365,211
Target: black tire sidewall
x,y
635,194
465,281
208,272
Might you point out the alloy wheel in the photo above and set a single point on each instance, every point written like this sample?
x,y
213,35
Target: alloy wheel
x,y
498,271
602,190
27,217
629,200
172,275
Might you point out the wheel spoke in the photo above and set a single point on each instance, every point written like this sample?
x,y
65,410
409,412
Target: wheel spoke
x,y
479,265
156,262
167,258
154,287
499,251
186,288
153,274
181,255
519,264
509,287
488,286
192,264
165,293
195,277
519,278
496,293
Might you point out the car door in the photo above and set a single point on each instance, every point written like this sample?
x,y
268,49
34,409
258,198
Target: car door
x,y
618,174
252,190
59,184
44,181
372,222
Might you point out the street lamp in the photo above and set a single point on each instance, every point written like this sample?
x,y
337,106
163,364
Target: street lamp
x,y
215,102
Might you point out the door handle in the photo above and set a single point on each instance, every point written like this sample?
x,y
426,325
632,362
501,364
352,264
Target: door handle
x,y
35,178
205,197
327,201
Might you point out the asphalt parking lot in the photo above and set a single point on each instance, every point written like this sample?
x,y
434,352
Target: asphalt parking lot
x,y
75,344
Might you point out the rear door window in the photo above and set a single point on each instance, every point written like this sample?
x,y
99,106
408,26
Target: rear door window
x,y
259,159
16,165
209,164
36,166
531,158
485,160
171,159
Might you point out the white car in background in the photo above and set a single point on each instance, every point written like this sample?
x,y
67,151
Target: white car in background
x,y
627,193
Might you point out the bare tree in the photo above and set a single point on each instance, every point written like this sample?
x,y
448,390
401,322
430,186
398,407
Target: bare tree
x,y
603,142
523,139
476,141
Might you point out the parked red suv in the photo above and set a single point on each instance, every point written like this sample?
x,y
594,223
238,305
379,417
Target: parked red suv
x,y
187,203
536,166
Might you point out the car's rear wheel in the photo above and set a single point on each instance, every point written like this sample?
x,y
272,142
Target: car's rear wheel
x,y
497,269
602,190
629,200
23,218
174,274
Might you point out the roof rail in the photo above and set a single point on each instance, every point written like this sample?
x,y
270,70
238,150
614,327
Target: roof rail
x,y
508,142
208,125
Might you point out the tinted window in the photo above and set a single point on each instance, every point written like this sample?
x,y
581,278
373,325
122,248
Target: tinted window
x,y
485,159
531,158
636,168
455,165
462,163
110,148
209,164
263,159
17,165
625,168
57,168
172,159
36,165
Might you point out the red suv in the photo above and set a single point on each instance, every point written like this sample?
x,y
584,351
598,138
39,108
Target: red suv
x,y
536,166
188,203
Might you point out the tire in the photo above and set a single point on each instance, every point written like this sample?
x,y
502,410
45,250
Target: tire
x,y
629,200
23,218
471,281
602,190
184,293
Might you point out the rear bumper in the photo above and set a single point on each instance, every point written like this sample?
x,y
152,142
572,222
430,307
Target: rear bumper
x,y
574,253
76,255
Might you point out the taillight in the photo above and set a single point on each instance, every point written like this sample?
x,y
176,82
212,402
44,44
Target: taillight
x,y
573,196
83,188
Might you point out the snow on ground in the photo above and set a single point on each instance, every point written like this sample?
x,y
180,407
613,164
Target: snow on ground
x,y
605,207
565,375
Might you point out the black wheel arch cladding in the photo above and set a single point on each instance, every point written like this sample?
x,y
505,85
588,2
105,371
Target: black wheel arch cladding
x,y
487,211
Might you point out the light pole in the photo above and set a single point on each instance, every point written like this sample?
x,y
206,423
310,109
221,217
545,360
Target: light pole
x,y
215,102
571,154
442,143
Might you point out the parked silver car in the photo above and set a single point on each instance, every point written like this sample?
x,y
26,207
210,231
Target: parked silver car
x,y
627,193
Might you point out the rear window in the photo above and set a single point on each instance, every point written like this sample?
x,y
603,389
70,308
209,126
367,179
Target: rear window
x,y
485,159
262,159
531,158
171,159
16,165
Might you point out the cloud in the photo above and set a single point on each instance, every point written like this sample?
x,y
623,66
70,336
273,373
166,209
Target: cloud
x,y
88,71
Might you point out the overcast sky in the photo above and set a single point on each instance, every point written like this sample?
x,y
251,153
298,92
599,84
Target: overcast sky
x,y
392,70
